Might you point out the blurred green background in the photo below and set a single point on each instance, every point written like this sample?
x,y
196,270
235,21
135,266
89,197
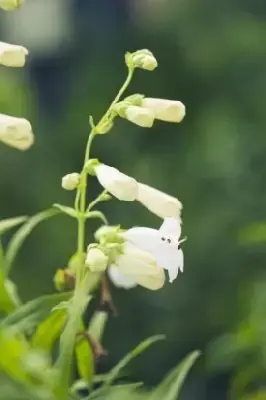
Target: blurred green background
x,y
212,57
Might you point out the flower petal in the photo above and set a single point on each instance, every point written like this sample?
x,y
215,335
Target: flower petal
x,y
171,226
146,239
119,279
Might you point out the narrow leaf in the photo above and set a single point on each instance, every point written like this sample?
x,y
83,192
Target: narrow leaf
x,y
7,302
66,210
10,223
30,314
49,330
114,373
20,236
96,214
170,387
85,360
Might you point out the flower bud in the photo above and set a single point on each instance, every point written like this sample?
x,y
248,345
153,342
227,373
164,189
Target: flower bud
x,y
165,110
8,5
158,202
121,186
96,260
143,59
107,233
70,181
12,55
16,132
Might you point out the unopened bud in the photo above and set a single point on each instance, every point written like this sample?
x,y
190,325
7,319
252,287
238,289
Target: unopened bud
x,y
71,181
107,233
143,59
96,260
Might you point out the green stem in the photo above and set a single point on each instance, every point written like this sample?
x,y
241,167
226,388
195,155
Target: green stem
x,y
83,285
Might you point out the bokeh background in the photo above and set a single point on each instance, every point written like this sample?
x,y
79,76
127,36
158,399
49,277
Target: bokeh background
x,y
212,56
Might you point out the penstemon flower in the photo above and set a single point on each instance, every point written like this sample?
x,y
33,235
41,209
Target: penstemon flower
x,y
12,55
135,266
162,244
16,132
121,186
165,110
158,202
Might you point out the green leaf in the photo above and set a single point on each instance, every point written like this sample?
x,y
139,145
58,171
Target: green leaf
x,y
66,210
20,236
30,314
7,302
68,339
114,373
96,214
117,392
49,330
85,360
13,350
170,387
10,223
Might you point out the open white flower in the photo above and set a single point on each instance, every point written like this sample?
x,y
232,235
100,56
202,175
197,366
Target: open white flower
x,y
158,202
140,116
162,244
135,266
16,132
12,55
165,110
121,186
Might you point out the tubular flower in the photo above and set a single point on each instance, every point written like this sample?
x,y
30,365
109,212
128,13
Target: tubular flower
x,y
162,244
165,110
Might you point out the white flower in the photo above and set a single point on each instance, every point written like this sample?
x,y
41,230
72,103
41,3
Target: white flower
x,y
158,202
70,181
12,55
10,4
140,116
165,110
119,279
143,59
115,182
135,266
96,260
16,132
162,244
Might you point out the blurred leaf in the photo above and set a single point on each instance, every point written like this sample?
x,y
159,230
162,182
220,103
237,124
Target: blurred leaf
x,y
13,350
30,314
96,214
255,233
6,224
49,330
7,302
114,392
85,360
169,388
114,373
19,237
68,339
66,210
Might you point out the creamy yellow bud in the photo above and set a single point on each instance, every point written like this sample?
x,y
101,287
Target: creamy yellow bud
x,y
165,110
70,181
16,132
8,5
96,260
12,55
140,116
143,59
159,203
121,186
